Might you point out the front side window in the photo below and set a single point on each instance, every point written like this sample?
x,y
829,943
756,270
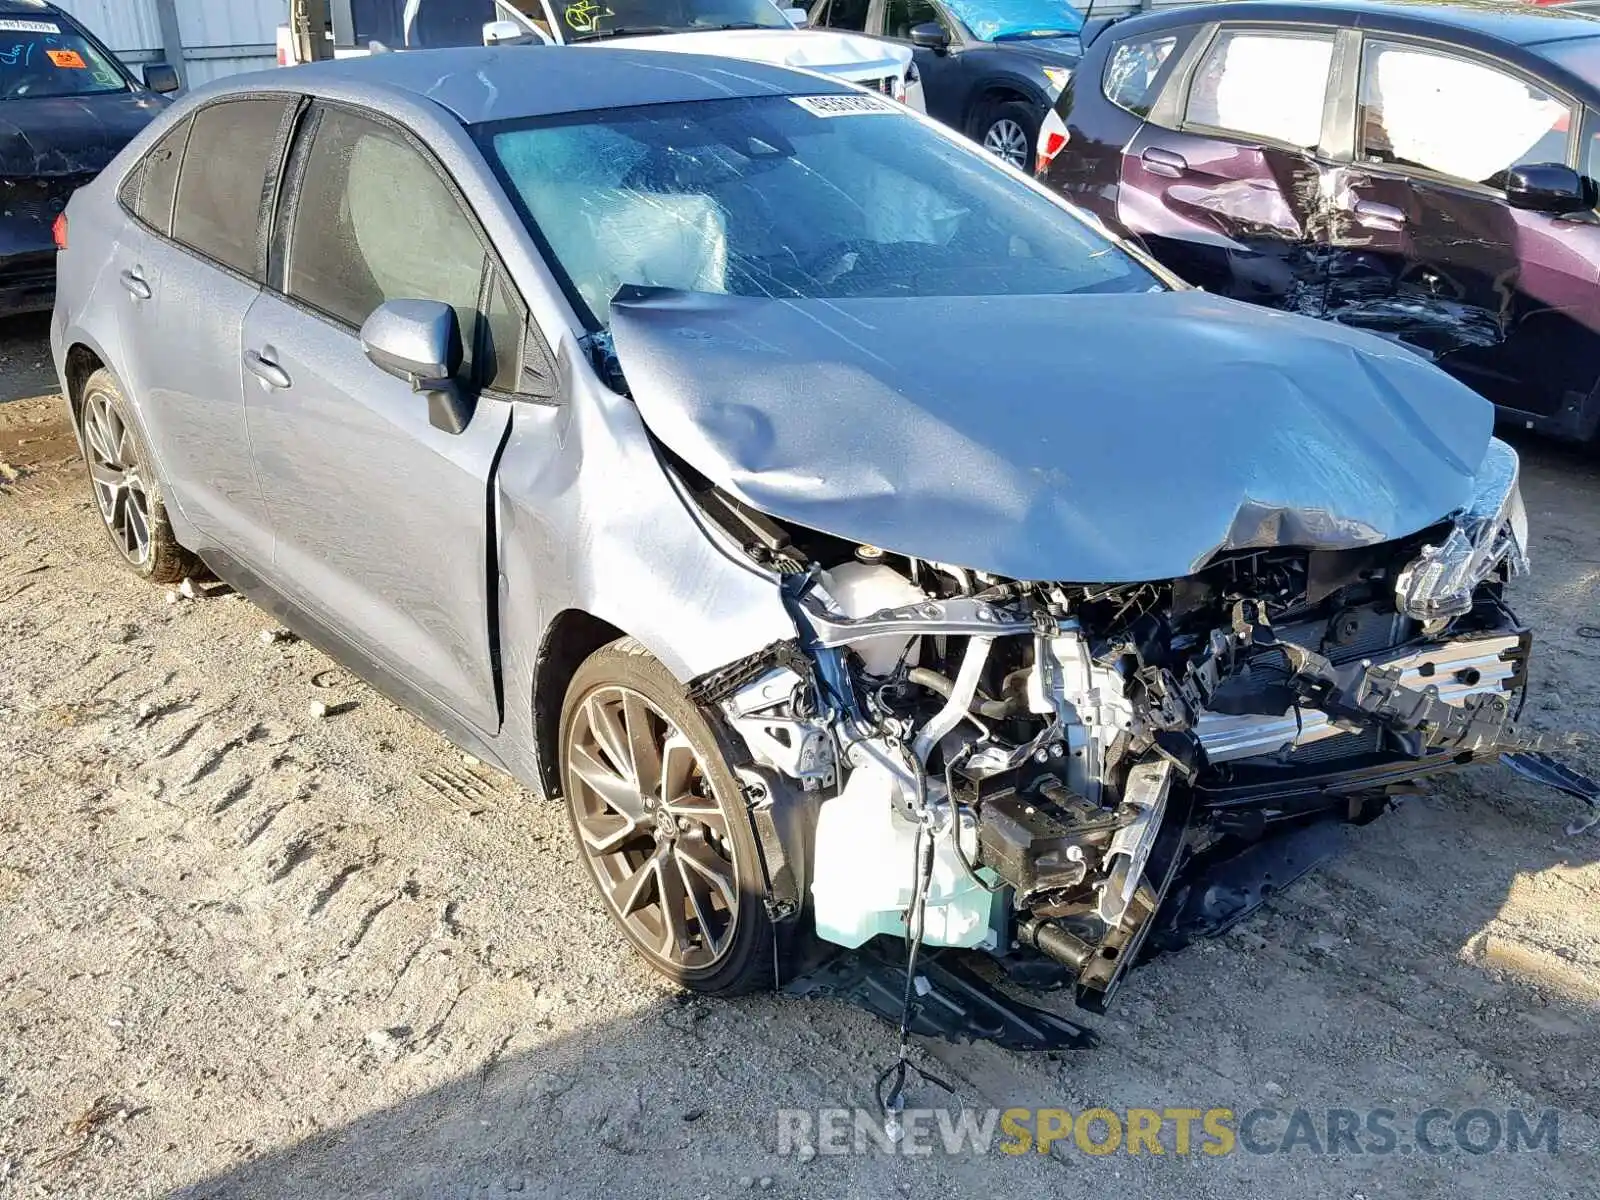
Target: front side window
x,y
790,196
1017,20
1263,84
585,20
842,14
374,221
1132,70
1454,116
42,57
902,16
231,148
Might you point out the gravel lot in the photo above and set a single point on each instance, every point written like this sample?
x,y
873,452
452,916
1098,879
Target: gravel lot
x,y
248,951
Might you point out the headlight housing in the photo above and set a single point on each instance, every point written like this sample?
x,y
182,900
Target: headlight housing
x,y
1057,77
1493,529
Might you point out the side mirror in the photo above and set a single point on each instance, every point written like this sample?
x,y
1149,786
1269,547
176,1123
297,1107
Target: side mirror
x,y
509,33
1549,188
930,35
162,77
798,17
419,341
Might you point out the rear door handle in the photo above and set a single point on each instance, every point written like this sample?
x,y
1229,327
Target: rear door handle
x,y
1379,215
260,364
135,284
1165,163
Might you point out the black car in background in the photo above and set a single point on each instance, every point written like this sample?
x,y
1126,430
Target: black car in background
x,y
990,68
67,108
1424,171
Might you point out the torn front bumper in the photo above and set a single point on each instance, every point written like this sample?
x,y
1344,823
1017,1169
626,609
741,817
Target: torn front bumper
x,y
1452,672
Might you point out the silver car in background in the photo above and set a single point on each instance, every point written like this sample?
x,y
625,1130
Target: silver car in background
x,y
859,543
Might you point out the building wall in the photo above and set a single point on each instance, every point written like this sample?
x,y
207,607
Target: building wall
x,y
217,37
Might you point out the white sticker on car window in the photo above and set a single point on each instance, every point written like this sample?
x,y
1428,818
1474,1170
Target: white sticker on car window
x,y
30,27
844,106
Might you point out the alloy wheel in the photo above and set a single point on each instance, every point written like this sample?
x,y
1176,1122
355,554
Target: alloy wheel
x,y
1006,139
118,478
652,830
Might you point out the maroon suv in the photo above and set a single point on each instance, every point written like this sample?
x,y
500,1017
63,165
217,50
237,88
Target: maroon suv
x,y
1419,170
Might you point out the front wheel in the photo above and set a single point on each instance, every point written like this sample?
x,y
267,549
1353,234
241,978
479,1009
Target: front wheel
x,y
660,823
1010,131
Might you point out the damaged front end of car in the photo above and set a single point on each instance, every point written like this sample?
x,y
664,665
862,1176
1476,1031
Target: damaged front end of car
x,y
1066,774
1039,770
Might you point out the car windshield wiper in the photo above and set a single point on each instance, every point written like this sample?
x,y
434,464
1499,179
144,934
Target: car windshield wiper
x,y
622,31
739,25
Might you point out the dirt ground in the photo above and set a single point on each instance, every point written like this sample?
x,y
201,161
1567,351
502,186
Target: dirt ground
x,y
250,951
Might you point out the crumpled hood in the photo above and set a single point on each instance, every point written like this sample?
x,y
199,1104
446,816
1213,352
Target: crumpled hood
x,y
71,135
1105,438
848,55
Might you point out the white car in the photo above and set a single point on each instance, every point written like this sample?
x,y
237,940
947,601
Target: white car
x,y
756,30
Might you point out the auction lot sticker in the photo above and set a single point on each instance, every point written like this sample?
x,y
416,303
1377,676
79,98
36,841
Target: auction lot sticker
x,y
843,106
67,58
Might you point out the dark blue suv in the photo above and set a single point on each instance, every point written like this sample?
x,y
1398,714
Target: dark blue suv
x,y
990,68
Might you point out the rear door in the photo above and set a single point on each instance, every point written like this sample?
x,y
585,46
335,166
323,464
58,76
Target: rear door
x,y
1429,250
1223,182
187,280
381,521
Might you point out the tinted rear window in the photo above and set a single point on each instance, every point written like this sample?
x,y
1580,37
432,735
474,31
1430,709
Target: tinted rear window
x,y
231,148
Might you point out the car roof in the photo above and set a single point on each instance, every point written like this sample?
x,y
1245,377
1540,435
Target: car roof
x,y
1510,23
481,84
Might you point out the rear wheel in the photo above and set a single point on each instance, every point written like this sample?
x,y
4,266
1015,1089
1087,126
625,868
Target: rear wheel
x,y
660,823
126,489
1010,131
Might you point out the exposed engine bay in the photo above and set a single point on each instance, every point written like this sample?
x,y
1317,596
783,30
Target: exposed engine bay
x,y
1045,771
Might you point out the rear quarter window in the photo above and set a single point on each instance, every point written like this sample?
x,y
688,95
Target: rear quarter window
x,y
1137,69
151,187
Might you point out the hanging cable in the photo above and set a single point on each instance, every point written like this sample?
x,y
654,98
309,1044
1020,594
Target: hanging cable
x,y
894,1103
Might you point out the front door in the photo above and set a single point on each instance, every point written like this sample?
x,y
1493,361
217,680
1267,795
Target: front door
x,y
1223,182
1503,298
944,87
381,520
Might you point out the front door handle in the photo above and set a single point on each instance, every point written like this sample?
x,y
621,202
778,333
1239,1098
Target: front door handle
x,y
260,364
1166,163
1377,215
135,284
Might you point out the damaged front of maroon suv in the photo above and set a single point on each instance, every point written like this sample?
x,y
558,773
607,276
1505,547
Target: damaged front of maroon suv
x,y
1086,643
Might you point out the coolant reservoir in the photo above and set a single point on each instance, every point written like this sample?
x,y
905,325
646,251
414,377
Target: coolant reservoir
x,y
866,865
862,589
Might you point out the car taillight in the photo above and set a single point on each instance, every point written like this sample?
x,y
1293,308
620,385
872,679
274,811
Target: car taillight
x,y
1053,138
59,231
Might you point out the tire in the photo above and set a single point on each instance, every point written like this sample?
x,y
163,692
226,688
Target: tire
x,y
1009,128
650,850
123,482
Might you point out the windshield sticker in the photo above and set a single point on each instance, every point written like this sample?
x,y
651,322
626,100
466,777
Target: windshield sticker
x,y
583,16
29,27
67,59
843,106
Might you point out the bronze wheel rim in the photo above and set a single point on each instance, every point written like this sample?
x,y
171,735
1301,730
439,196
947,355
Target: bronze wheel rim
x,y
651,829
